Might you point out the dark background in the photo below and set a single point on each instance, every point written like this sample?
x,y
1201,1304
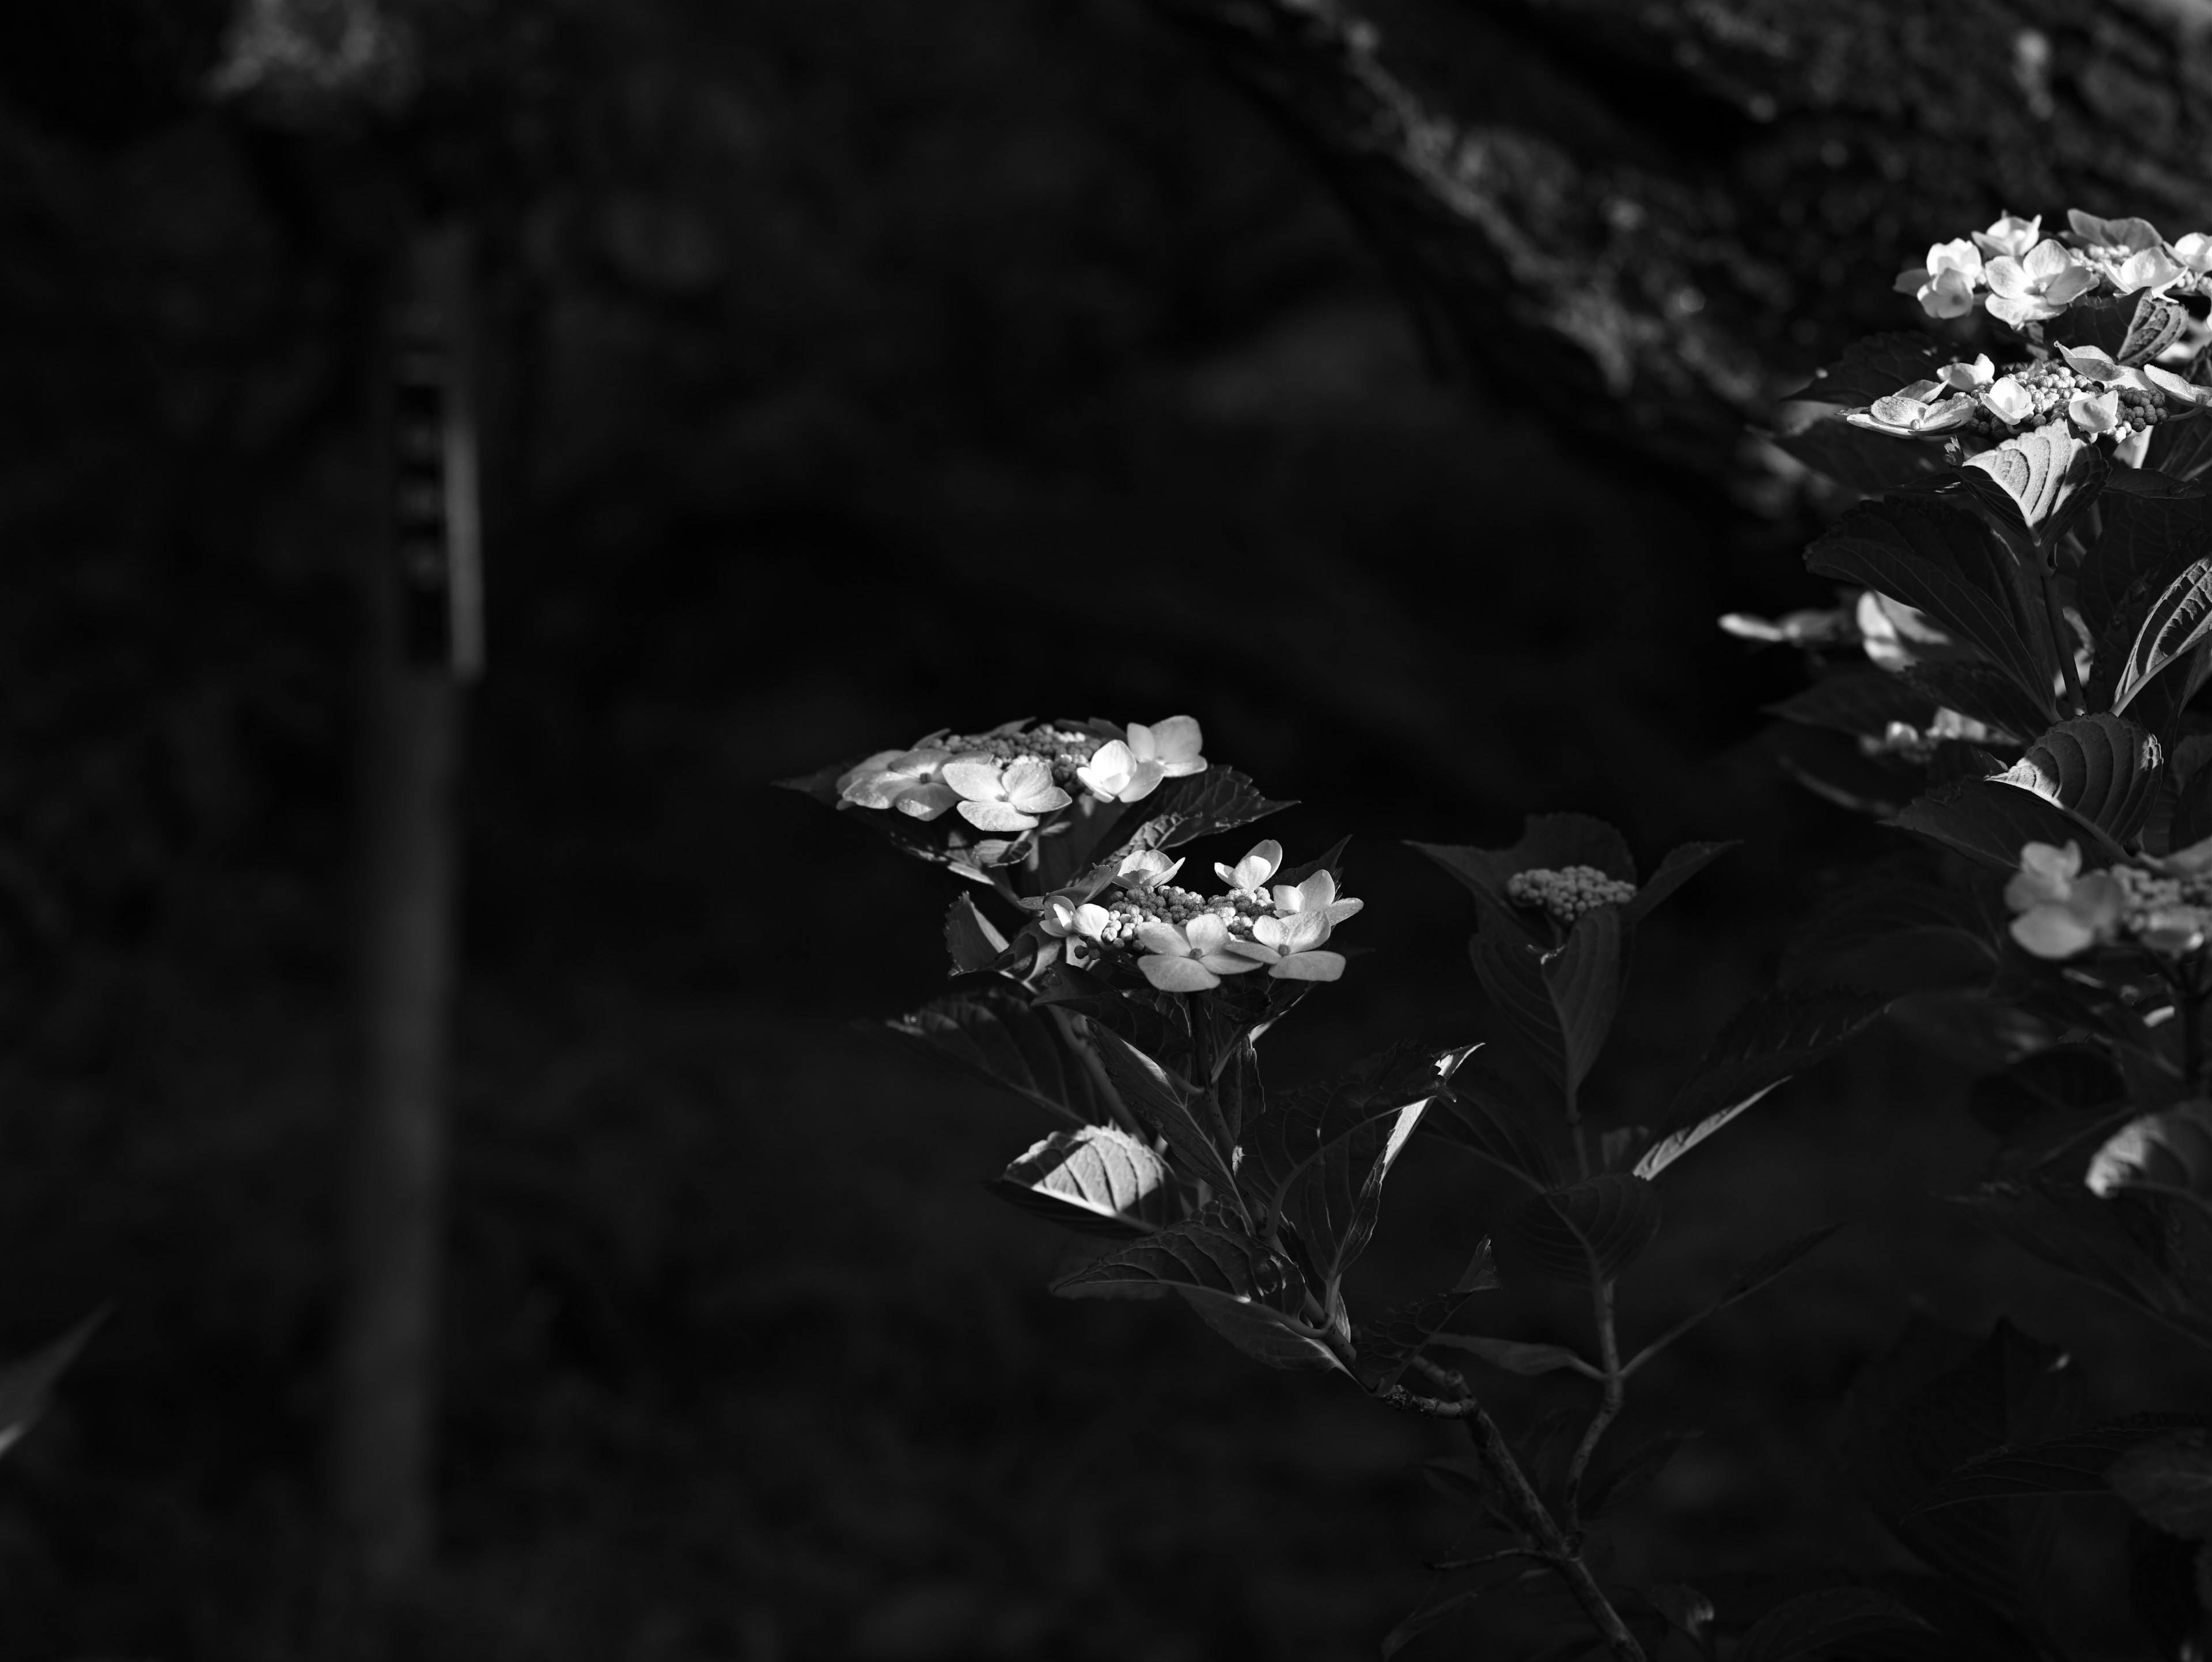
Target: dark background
x,y
860,370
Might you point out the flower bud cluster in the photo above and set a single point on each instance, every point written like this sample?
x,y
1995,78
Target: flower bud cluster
x,y
1568,892
1134,908
1061,749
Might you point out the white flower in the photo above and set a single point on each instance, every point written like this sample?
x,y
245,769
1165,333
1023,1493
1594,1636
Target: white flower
x,y
2188,391
2150,268
1147,869
1918,408
2009,401
1129,770
906,780
1968,377
2194,251
1066,914
1945,285
1252,872
1114,773
1011,800
1190,959
2040,284
2060,912
2010,235
2132,234
1314,898
2095,412
1292,947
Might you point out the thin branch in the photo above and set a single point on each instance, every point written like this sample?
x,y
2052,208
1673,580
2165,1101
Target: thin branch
x,y
1609,1404
1502,1553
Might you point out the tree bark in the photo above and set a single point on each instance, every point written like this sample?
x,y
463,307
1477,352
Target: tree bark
x,y
1642,219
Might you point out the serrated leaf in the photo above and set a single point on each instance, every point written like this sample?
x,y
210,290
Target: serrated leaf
x,y
1386,1347
27,1386
994,1036
1197,805
1677,868
2176,621
2073,1465
1980,690
2099,767
2035,486
1774,1035
1863,701
2168,1153
1989,823
2157,324
1589,1231
1814,1623
2168,1481
1560,1003
1675,1144
1249,1294
971,938
1097,1179
1514,1356
1945,563
1172,1108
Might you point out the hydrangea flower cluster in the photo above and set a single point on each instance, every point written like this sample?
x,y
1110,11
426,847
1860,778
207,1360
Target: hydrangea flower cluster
x,y
1568,892
2083,386
1010,778
1183,942
2164,906
2030,278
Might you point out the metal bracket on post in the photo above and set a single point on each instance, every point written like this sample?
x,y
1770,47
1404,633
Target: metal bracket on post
x,y
438,564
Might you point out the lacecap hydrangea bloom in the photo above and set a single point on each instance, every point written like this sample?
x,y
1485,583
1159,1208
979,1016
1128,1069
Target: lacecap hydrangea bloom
x,y
1013,778
2163,906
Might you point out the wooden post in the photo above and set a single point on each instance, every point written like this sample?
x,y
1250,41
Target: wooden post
x,y
423,604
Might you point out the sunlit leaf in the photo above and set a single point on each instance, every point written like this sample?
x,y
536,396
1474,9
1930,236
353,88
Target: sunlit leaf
x,y
2100,767
1097,1179
1589,1231
1675,1144
1990,822
1172,1108
2035,487
2168,1153
2176,621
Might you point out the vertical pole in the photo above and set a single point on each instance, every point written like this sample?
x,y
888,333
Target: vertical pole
x,y
422,603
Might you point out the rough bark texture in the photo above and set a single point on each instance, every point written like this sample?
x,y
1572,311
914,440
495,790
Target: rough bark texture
x,y
1647,217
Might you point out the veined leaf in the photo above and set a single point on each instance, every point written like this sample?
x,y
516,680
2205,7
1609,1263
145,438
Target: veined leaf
x,y
2118,1245
1548,842
971,938
1172,1108
2182,449
1874,368
1864,701
1249,1294
2162,1153
1589,1231
1483,1113
1097,1179
1981,690
1197,805
2177,620
2148,539
2033,487
1675,1144
1990,822
1815,1624
1340,1199
995,1036
2099,767
1679,866
2168,1481
1516,1357
1560,1003
2073,1465
1894,930
1945,563
1386,1347
1298,1125
1774,1035
27,1386
1869,463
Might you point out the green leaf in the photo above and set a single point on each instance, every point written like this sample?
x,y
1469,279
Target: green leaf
x,y
2182,449
1874,368
1483,1114
1675,1144
1516,1357
2177,620
2145,540
2035,486
2162,1153
2168,1481
1197,805
1869,463
971,938
1249,1294
1774,1035
1589,1231
1097,1179
1338,1204
1635,1474
995,1036
1561,1002
1990,822
1299,1126
1945,563
2073,1465
1981,690
1439,1602
1766,1267
1386,1347
1814,1623
2068,1080
2099,767
1863,701
1678,868
2120,1246
27,1386
1172,1108
1893,930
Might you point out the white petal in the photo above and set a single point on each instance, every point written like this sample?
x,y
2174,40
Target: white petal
x,y
1309,967
974,777
1252,949
1177,742
862,774
1227,963
1162,940
2052,932
1205,932
1091,921
1144,779
926,801
1268,931
1178,974
996,816
1108,769
1140,742
1315,892
1304,932
1050,799
1257,866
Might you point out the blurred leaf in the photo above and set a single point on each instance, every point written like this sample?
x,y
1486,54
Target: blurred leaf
x,y
821,784
2100,767
2168,1481
2070,1079
2166,1587
27,1386
2120,1245
1636,1473
1173,1109
1945,563
1560,1003
1591,1231
995,1036
1386,1347
2073,1465
1862,702
1874,368
1981,690
1098,1180
1675,1144
2168,1153
1483,1113
1990,822
1817,1622
1679,866
1774,1035
2177,620
1248,1294
971,937
1514,1356
1440,1601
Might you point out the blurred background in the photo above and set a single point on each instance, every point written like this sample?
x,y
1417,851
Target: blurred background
x,y
852,369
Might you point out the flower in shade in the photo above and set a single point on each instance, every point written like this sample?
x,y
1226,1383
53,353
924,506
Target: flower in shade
x,y
1147,869
1250,874
2039,284
1314,898
1292,947
2060,912
908,780
1005,798
1192,959
2011,235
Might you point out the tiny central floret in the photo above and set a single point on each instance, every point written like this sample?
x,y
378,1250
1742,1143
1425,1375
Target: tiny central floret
x,y
1569,892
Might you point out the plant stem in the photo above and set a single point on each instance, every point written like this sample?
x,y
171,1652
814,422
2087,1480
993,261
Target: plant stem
x,y
2056,620
1609,1404
1575,1127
